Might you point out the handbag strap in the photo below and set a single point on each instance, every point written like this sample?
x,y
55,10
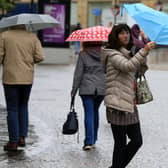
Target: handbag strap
x,y
72,108
144,76
140,77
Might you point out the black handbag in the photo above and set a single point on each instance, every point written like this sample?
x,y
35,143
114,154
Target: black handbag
x,y
71,124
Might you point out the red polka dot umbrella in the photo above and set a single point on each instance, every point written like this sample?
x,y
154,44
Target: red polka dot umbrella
x,y
96,33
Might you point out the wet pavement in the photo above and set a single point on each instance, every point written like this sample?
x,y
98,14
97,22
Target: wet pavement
x,y
49,104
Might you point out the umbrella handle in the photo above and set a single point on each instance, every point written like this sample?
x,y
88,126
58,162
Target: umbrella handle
x,y
31,25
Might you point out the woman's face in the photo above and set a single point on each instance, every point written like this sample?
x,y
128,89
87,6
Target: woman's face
x,y
124,38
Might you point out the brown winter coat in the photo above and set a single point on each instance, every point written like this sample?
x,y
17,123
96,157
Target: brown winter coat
x,y
19,51
120,75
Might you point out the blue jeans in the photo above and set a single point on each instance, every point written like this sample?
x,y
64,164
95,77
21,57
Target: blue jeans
x,y
91,106
17,97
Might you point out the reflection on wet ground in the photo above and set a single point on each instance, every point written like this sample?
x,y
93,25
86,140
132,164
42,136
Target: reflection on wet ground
x,y
20,154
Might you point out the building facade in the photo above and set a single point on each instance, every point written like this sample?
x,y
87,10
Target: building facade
x,y
94,12
84,11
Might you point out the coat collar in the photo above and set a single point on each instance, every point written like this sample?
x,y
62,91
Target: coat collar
x,y
125,52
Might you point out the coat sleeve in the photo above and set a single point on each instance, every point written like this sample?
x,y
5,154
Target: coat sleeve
x,y
38,51
128,65
143,68
78,74
2,49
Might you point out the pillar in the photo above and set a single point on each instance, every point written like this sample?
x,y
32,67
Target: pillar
x,y
83,12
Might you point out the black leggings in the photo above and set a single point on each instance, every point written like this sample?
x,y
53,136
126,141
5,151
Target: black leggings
x,y
123,151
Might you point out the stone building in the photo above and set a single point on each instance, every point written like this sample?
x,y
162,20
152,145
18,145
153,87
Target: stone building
x,y
83,11
89,12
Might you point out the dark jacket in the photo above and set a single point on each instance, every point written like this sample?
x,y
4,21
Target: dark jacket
x,y
135,35
89,76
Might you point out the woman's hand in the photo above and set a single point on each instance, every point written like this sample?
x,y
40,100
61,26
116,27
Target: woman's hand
x,y
149,46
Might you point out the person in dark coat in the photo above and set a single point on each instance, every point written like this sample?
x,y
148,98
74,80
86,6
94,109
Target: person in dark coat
x,y
139,40
139,37
89,78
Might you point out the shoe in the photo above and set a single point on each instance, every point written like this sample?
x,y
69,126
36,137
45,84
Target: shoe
x,y
93,146
11,146
22,142
87,147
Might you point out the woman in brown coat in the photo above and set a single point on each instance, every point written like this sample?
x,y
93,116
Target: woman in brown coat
x,y
19,51
120,66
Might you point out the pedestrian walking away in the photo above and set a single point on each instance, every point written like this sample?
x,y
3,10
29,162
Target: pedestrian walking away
x,y
89,78
120,66
19,51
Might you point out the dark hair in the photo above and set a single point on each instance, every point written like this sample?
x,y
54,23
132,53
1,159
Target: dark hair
x,y
92,44
113,41
78,26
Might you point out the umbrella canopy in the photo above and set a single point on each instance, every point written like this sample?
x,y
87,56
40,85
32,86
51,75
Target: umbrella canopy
x,y
33,22
152,22
96,33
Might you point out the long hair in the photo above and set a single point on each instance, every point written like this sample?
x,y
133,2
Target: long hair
x,y
92,44
113,40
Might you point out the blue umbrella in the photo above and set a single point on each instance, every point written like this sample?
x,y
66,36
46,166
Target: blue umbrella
x,y
152,22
